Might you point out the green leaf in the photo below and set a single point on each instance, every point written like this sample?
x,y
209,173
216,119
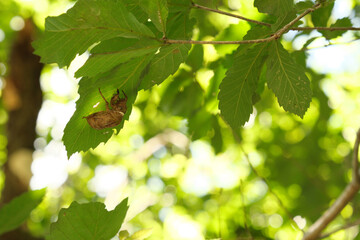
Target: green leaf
x,y
199,124
88,221
158,12
78,135
284,19
179,25
237,88
196,57
274,7
113,52
179,5
321,16
287,80
13,214
343,22
166,62
85,24
134,6
303,5
169,57
256,32
182,97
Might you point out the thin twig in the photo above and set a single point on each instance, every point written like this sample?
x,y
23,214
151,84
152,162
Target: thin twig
x,y
281,204
269,25
326,28
328,45
290,216
244,210
346,196
194,5
346,226
268,39
174,41
287,26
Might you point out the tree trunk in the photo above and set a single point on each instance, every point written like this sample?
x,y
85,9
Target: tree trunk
x,y
22,99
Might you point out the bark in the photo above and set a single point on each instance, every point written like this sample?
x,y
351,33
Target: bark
x,y
22,99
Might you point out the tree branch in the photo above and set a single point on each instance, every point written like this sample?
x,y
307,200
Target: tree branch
x,y
268,39
326,28
346,196
349,225
287,26
194,5
174,41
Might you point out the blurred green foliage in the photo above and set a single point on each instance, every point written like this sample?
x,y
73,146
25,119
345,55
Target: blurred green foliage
x,y
187,175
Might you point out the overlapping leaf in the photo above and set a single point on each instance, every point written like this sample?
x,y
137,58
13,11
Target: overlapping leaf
x,y
113,52
88,221
284,19
237,88
125,55
343,22
78,135
88,22
287,80
166,62
321,16
274,7
18,210
158,12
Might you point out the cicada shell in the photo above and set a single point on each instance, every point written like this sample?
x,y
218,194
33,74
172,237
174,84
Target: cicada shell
x,y
111,117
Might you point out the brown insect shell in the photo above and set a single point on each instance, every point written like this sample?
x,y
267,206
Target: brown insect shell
x,y
118,103
110,117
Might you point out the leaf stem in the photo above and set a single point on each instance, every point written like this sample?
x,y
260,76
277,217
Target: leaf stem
x,y
346,226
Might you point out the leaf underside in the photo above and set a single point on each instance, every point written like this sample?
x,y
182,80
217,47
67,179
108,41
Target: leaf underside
x,y
287,80
123,55
88,22
120,36
239,85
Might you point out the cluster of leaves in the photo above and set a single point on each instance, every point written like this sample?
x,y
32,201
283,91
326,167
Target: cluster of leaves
x,y
130,53
78,221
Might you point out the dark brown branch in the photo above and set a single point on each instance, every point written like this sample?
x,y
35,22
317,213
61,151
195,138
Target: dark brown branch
x,y
346,196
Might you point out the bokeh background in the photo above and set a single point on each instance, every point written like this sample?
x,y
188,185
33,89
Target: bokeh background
x,y
187,175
